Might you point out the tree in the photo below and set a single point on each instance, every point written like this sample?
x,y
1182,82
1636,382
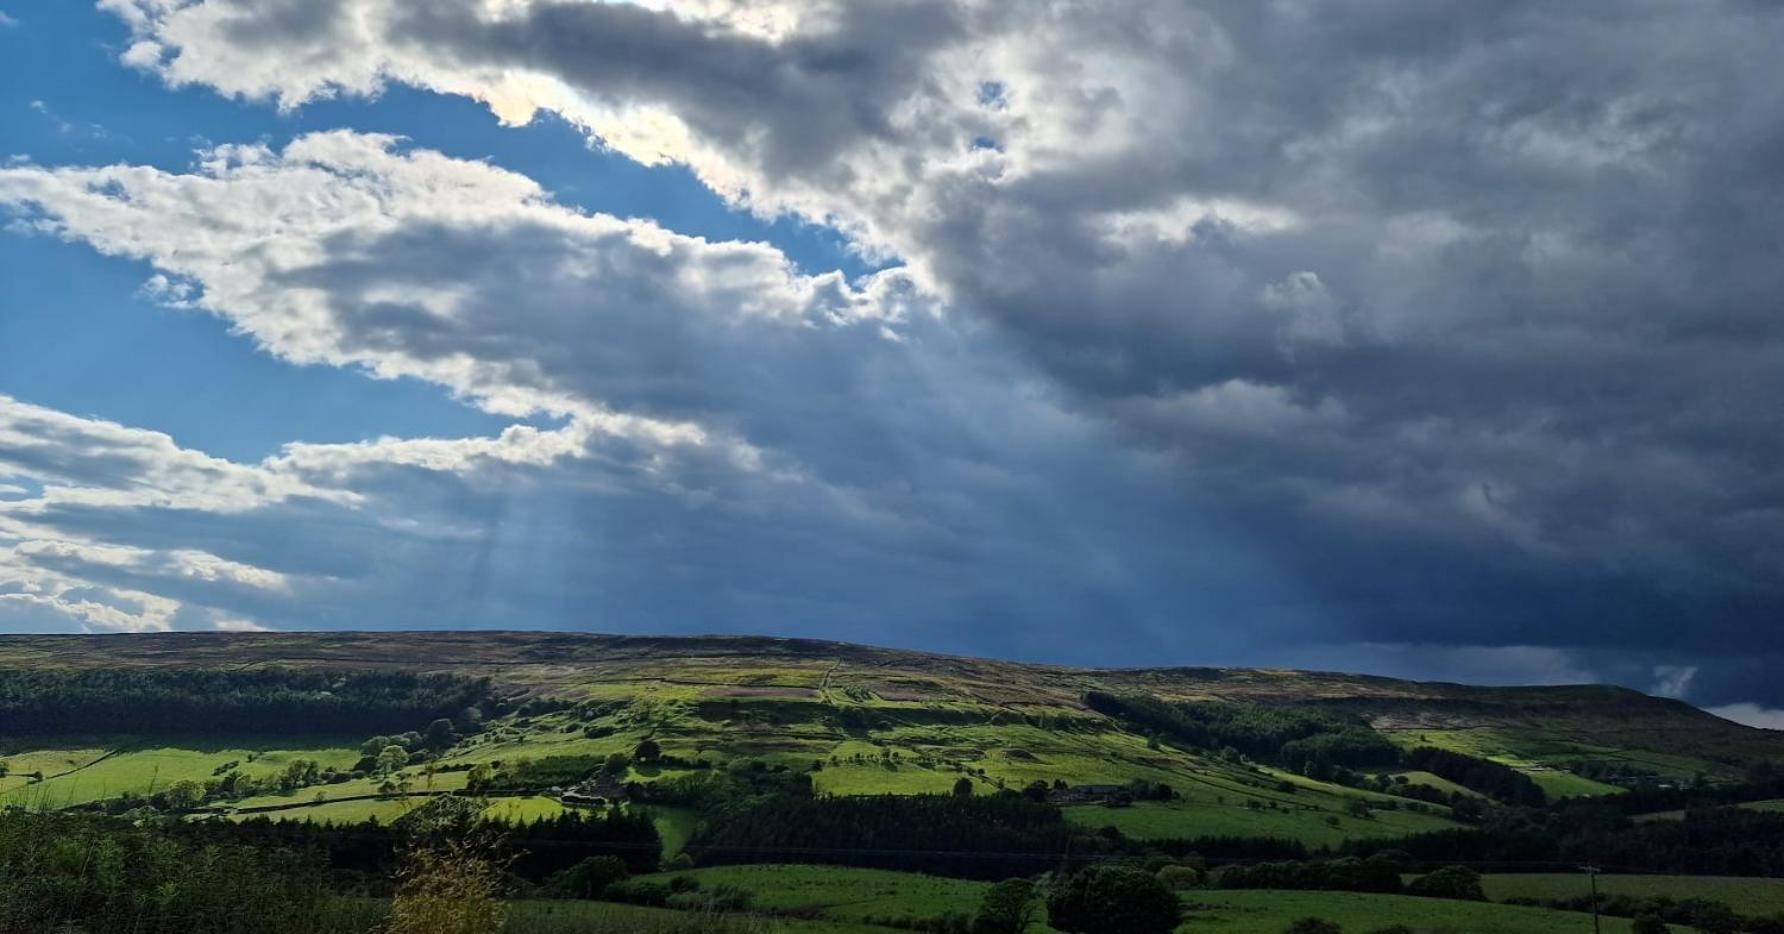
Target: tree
x,y
589,878
963,785
1008,908
1113,900
184,795
1313,926
1178,877
647,751
391,758
1458,882
439,734
616,764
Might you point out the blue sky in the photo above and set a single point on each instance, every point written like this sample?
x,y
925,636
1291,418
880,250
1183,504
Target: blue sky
x,y
1434,345
76,328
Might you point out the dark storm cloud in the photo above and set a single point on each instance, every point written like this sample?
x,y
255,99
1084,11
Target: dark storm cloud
x,y
1466,314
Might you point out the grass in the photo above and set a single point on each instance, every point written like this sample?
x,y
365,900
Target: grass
x,y
857,895
674,826
1746,896
341,812
145,769
523,810
1773,806
50,762
356,788
1440,783
1152,820
547,916
844,893
1268,912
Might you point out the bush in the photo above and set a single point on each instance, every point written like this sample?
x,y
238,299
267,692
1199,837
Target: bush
x,y
1008,908
447,888
639,892
589,878
1313,926
1113,900
1648,924
714,900
1178,878
1392,929
1458,882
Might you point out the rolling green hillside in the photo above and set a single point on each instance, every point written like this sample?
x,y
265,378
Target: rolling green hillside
x,y
781,697
1130,764
868,721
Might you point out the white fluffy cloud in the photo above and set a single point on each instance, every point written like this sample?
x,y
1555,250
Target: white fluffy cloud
x,y
1458,312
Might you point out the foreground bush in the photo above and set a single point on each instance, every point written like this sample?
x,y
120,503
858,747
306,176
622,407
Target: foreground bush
x,y
1113,900
1458,882
84,872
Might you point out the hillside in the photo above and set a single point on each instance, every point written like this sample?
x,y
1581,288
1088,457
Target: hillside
x,y
1543,723
705,752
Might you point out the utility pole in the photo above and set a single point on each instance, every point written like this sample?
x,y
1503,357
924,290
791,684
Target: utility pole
x,y
1592,874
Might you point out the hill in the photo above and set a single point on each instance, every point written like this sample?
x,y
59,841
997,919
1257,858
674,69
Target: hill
x,y
1539,729
698,754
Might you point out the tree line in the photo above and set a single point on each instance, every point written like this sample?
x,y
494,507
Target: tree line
x,y
1308,740
269,700
1500,782
370,849
966,836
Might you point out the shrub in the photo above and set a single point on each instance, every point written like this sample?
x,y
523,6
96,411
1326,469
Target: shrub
x,y
1313,926
1008,908
1648,924
589,878
639,892
1178,878
447,888
1458,882
1113,900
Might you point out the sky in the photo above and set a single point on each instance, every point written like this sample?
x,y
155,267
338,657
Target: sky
x,y
1428,338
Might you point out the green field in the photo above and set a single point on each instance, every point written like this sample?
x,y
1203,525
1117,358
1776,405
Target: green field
x,y
675,826
543,916
340,812
858,895
846,894
1149,820
1268,912
1774,806
1746,896
143,769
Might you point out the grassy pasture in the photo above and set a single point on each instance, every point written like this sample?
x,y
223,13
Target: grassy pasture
x,y
340,812
855,895
1268,912
579,917
1747,896
355,788
554,916
1774,806
844,893
143,769
674,826
1150,820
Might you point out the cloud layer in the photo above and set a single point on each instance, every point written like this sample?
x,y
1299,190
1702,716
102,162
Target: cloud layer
x,y
1455,322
